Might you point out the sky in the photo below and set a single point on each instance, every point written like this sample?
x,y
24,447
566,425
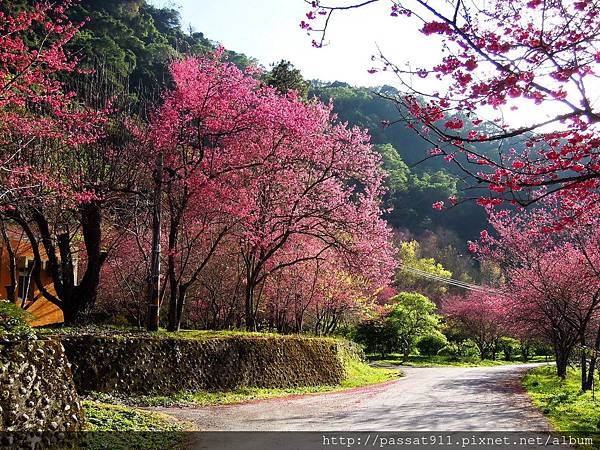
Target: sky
x,y
269,31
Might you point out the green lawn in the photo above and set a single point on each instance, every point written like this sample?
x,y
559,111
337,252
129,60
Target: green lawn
x,y
358,374
562,401
121,427
441,361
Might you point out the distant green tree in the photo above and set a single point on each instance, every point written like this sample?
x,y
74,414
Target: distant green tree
x,y
285,77
378,336
409,254
412,316
398,173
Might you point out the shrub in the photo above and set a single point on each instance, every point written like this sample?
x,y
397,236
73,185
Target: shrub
x,y
465,351
451,351
431,344
13,322
509,346
469,349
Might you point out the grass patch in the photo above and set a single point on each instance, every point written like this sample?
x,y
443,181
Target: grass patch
x,y
358,374
215,334
562,401
121,427
113,330
444,361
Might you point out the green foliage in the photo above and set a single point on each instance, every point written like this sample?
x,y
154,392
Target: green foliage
x,y
509,346
412,191
457,350
130,43
113,427
409,316
562,401
542,349
13,322
284,77
377,336
361,374
451,351
412,316
441,361
105,417
409,254
431,344
130,331
398,173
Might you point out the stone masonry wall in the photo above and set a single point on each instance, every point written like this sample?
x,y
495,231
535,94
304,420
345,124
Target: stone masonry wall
x,y
37,392
155,365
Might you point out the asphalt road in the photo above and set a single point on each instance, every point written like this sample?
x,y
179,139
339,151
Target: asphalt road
x,y
432,399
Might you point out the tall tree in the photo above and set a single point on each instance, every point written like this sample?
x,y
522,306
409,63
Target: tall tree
x,y
285,77
62,162
242,158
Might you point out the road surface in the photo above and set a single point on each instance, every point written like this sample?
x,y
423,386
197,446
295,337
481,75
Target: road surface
x,y
432,399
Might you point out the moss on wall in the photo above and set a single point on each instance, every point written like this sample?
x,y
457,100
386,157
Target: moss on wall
x,y
159,365
37,392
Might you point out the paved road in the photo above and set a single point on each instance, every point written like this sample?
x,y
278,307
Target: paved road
x,y
432,399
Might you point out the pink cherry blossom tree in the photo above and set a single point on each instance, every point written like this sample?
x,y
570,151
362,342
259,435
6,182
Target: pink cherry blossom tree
x,y
552,279
482,316
65,162
272,171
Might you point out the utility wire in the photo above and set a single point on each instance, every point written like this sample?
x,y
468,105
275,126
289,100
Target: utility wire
x,y
450,281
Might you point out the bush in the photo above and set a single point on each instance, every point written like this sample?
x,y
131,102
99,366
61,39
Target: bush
x,y
13,322
465,351
509,346
469,349
451,351
431,344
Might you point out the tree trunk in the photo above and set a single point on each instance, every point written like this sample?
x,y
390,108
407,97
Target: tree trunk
x,y
75,300
153,287
482,351
172,323
406,353
182,295
524,353
79,299
249,308
590,375
583,357
562,361
173,282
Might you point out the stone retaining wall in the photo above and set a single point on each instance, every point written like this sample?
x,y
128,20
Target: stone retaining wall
x,y
154,365
37,392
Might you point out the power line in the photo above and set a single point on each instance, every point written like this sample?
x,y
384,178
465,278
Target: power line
x,y
450,281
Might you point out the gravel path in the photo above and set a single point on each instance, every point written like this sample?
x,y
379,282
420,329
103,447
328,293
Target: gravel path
x,y
439,398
